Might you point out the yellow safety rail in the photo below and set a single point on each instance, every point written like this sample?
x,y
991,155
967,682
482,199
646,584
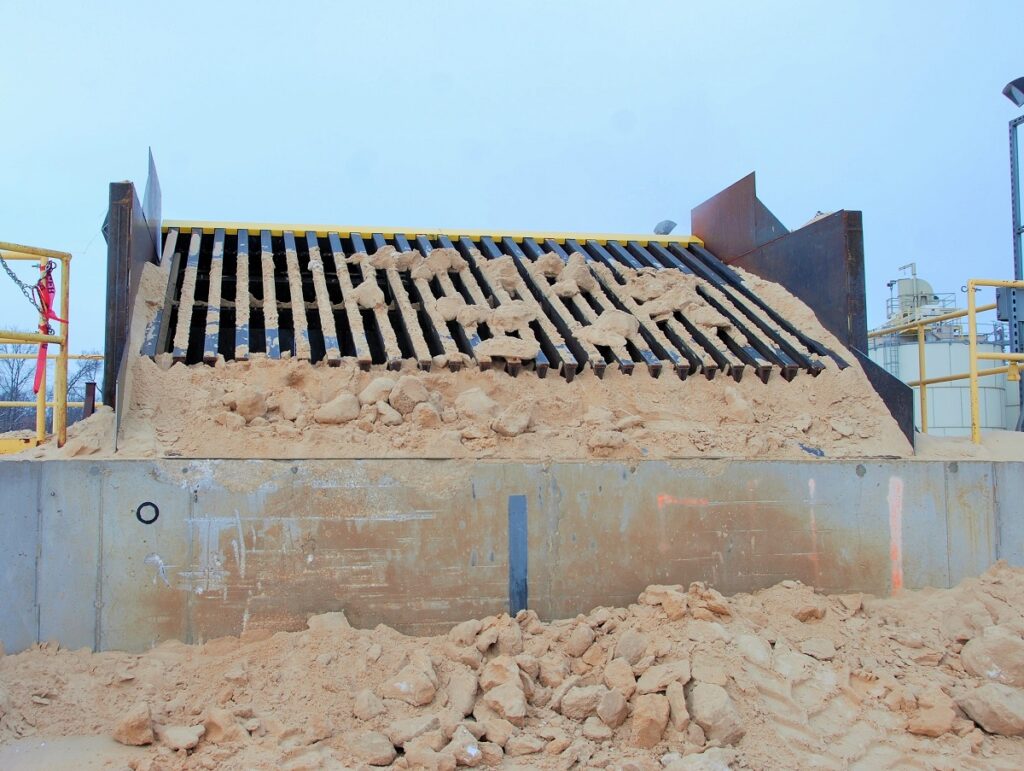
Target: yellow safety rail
x,y
1011,369
1013,359
277,228
14,252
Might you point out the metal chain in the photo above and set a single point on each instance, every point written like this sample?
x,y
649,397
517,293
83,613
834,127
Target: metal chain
x,y
26,289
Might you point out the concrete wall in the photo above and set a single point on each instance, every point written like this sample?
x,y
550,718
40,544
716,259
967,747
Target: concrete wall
x,y
419,544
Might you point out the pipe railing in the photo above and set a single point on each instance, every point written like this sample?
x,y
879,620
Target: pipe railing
x,y
18,252
920,325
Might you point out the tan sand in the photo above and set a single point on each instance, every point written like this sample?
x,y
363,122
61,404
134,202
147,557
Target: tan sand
x,y
187,411
685,679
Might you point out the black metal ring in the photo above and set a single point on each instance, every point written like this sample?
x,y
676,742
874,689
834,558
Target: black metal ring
x,y
138,513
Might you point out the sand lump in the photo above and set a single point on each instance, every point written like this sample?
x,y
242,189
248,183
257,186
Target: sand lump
x,y
685,679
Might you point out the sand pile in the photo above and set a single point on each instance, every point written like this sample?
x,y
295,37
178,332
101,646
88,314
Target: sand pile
x,y
684,679
291,409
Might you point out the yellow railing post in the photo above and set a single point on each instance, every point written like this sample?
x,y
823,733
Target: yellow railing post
x,y
60,386
60,396
41,394
922,376
972,343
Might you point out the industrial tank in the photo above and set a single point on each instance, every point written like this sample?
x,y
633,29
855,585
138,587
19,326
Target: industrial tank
x,y
946,353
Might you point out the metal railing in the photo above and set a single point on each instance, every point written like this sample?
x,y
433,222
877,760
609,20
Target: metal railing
x,y
1011,369
16,252
71,357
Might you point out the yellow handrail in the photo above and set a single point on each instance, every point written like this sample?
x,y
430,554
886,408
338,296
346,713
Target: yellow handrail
x,y
14,252
975,356
927,321
971,313
71,356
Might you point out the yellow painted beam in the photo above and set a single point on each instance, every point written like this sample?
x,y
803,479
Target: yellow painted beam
x,y
52,357
411,233
912,325
29,337
4,405
22,252
1001,356
960,376
9,446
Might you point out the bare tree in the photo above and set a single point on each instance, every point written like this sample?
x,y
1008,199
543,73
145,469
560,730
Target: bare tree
x,y
16,376
16,380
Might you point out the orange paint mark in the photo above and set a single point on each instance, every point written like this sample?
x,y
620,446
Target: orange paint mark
x,y
895,500
670,500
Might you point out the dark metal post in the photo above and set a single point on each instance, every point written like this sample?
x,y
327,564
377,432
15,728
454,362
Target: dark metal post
x,y
90,399
1016,322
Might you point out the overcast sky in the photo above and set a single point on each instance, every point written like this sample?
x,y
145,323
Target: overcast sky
x,y
593,116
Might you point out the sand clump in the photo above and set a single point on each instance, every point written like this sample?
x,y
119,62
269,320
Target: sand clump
x,y
683,679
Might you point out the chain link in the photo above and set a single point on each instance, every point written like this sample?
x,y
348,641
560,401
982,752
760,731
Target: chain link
x,y
26,289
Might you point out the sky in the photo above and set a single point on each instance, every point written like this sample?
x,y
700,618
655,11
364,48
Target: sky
x,y
570,116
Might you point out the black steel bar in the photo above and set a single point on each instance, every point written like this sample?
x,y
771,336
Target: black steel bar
x,y
411,321
163,341
90,399
554,246
604,256
382,315
571,353
424,245
297,299
623,255
269,296
626,365
211,339
332,350
186,301
242,297
642,255
360,340
734,279
786,356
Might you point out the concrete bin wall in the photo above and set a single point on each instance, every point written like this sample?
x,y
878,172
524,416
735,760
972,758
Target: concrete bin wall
x,y
419,544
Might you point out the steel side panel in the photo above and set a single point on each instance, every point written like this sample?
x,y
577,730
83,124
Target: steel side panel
x,y
19,544
70,501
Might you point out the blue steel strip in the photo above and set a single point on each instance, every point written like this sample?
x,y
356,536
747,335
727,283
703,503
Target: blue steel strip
x,y
603,255
733,278
163,342
424,245
211,340
360,339
554,246
785,355
297,300
619,253
642,255
332,350
272,336
195,245
517,256
518,555
242,295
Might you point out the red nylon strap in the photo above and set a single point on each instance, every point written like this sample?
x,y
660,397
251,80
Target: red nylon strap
x,y
45,290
